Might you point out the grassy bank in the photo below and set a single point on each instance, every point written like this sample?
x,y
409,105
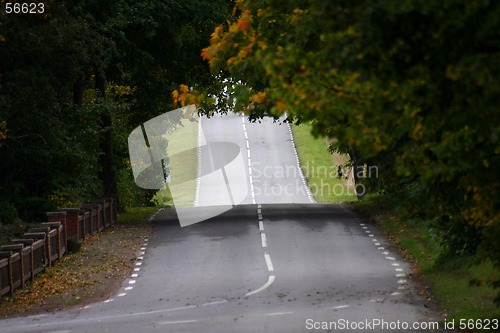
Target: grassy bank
x,y
320,167
447,278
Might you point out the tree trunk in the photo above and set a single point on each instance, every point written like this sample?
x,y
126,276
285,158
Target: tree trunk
x,y
108,167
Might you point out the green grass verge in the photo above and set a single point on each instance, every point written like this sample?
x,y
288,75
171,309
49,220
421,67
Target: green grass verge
x,y
449,279
320,167
134,214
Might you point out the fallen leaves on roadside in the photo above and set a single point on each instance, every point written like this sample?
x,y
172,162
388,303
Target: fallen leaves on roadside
x,y
92,274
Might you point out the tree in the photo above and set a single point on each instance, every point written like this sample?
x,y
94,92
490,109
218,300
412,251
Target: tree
x,y
411,86
76,79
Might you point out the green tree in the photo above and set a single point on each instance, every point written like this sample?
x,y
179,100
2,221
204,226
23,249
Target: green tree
x,y
410,86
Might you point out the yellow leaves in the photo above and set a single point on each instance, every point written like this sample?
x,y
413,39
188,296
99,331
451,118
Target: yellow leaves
x,y
259,97
184,96
417,130
280,105
118,90
482,213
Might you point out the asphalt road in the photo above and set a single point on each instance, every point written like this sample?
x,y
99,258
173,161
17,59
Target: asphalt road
x,y
275,262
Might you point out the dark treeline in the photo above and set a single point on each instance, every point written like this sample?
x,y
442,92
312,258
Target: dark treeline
x,y
75,80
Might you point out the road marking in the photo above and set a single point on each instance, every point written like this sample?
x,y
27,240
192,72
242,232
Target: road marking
x,y
266,285
131,282
400,275
269,263
134,275
341,307
177,322
108,300
402,281
259,216
259,206
279,313
140,258
137,269
138,263
385,253
129,288
395,293
122,294
259,210
261,226
390,258
381,248
263,239
394,264
399,269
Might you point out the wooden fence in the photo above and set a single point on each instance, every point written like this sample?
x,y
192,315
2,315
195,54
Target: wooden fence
x,y
21,260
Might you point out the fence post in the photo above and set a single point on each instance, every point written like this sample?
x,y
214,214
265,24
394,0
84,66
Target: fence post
x,y
28,243
48,241
7,255
72,223
16,248
61,218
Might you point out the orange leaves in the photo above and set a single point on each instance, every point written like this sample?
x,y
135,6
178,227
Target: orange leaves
x,y
259,97
184,96
244,20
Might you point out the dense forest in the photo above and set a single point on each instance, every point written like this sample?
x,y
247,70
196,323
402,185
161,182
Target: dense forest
x,y
74,81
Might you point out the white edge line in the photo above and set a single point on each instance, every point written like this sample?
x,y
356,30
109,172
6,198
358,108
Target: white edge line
x,y
266,285
177,322
341,307
279,313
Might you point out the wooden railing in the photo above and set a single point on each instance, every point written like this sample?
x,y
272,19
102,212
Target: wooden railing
x,y
21,260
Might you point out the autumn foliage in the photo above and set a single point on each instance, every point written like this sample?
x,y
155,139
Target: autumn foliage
x,y
411,87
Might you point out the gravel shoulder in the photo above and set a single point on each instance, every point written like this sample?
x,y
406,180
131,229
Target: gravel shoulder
x,y
90,275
